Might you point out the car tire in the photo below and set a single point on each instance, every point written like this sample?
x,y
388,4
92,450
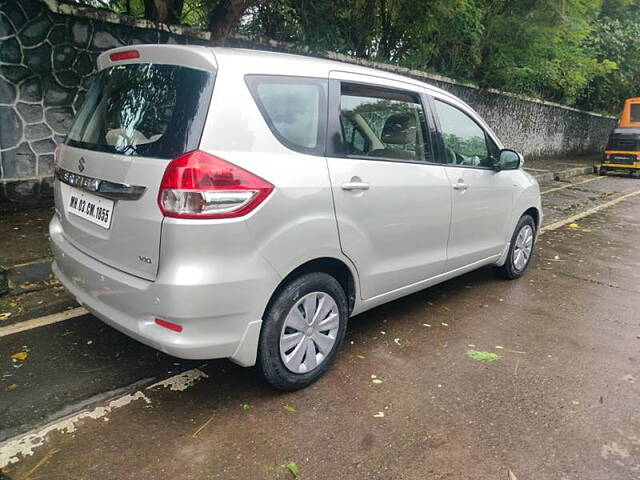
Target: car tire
x,y
520,249
603,171
283,336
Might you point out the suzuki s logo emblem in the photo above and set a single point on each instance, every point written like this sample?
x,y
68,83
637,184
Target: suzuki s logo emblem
x,y
81,164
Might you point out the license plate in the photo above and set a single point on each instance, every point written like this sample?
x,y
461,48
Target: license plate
x,y
91,207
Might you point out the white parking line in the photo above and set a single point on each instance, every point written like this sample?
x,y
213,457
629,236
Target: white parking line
x,y
571,185
586,213
42,321
15,449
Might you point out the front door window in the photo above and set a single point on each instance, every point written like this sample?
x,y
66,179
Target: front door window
x,y
465,142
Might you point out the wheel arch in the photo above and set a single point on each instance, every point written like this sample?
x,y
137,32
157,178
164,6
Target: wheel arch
x,y
532,211
335,267
535,214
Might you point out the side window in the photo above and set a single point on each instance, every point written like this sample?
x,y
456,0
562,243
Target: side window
x,y
465,142
635,112
294,108
383,123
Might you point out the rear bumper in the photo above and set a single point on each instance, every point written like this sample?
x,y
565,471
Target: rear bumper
x,y
220,320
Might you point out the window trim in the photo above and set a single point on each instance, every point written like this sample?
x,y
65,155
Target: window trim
x,y
254,80
440,141
335,142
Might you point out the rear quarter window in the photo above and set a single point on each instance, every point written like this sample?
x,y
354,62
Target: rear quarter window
x,y
144,109
294,108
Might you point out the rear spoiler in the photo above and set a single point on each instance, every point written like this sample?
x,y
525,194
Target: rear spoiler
x,y
200,58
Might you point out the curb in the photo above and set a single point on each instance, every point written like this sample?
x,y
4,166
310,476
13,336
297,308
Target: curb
x,y
4,281
26,277
564,174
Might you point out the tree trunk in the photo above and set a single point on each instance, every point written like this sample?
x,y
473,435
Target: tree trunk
x,y
163,11
224,16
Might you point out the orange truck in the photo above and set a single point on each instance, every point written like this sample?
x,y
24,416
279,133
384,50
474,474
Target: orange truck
x,y
623,148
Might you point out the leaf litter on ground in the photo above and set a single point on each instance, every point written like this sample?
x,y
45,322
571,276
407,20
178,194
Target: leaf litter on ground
x,y
293,468
484,357
20,356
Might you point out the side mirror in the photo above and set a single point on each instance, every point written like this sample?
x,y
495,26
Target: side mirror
x,y
509,160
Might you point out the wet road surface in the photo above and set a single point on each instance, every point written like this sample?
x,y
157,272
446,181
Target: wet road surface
x,y
560,401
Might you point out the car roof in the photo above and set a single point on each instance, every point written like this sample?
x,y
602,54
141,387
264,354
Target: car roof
x,y
274,63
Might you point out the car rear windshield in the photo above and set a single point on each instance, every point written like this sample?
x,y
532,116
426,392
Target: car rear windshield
x,y
144,109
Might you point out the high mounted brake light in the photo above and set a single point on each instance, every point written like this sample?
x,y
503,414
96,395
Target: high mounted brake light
x,y
200,185
125,55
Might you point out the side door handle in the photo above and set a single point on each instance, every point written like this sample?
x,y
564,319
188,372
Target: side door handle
x,y
461,186
355,186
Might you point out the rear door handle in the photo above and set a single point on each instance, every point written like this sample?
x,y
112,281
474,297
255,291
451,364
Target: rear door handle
x,y
355,186
460,186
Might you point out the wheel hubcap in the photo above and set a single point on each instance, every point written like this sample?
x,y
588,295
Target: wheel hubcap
x,y
309,332
523,247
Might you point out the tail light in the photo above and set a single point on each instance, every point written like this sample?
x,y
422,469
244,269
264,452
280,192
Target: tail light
x,y
200,185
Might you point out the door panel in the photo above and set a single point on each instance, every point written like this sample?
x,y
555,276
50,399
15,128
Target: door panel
x,y
480,212
396,231
482,197
392,206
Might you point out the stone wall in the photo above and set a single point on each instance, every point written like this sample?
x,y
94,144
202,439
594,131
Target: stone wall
x,y
46,61
48,52
536,128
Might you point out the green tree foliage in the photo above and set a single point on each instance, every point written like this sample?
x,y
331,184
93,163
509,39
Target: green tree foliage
x,y
579,52
537,47
441,34
616,39
220,17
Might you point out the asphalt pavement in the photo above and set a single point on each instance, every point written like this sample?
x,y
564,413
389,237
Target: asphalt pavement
x,y
470,379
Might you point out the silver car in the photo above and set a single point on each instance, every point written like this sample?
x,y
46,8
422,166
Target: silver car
x,y
226,203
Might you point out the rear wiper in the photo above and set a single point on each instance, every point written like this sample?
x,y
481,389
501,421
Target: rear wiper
x,y
132,148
